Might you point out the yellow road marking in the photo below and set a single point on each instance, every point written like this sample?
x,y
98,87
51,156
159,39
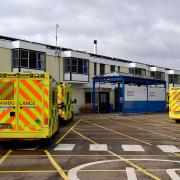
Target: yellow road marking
x,y
115,170
58,141
5,156
81,170
153,125
91,155
122,138
176,154
29,171
57,167
130,137
123,159
171,137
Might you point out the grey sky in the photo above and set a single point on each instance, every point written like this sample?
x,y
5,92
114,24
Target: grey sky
x,y
140,30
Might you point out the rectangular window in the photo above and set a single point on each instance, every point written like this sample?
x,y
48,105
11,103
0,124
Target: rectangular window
x,y
74,65
119,69
171,78
95,69
15,57
112,68
142,72
6,91
32,59
88,97
80,66
153,74
85,67
131,71
40,60
28,59
24,58
67,65
102,69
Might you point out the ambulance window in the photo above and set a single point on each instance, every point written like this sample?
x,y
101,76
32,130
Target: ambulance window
x,y
54,97
67,96
6,91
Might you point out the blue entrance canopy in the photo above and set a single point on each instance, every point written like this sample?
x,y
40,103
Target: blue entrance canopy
x,y
125,78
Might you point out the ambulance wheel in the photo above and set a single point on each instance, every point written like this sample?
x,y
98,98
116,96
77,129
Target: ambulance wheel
x,y
72,117
47,141
177,120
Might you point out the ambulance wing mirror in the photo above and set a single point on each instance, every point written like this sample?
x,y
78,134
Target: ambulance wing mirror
x,y
62,105
75,101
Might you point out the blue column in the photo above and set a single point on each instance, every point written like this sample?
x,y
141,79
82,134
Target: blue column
x,y
119,97
94,96
165,96
123,97
147,100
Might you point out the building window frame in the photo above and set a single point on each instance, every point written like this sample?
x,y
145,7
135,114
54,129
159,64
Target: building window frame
x,y
26,59
102,69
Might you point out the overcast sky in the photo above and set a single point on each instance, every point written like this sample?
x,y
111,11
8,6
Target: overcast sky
x,y
145,31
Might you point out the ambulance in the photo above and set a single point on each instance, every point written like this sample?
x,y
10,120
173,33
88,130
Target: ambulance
x,y
30,107
174,104
64,100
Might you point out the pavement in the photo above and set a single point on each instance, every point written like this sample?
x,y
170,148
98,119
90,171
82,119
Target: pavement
x,y
99,146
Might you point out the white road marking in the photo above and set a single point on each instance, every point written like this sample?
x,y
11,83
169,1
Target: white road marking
x,y
64,147
98,147
27,149
131,175
132,148
72,173
172,174
168,148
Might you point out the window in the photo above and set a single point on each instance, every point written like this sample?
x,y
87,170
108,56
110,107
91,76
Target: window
x,y
40,60
28,59
6,91
24,58
131,71
158,75
119,69
137,71
112,68
15,55
76,65
95,69
85,67
102,69
66,65
153,74
88,96
171,78
32,59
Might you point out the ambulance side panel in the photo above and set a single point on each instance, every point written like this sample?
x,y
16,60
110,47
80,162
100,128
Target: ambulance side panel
x,y
174,103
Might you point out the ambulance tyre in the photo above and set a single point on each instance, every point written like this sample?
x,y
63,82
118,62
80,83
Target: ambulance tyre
x,y
72,117
177,120
47,141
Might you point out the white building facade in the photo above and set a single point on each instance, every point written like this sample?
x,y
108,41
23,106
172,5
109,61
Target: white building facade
x,y
77,68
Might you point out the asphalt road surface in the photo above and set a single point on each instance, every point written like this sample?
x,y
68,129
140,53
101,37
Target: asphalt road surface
x,y
99,146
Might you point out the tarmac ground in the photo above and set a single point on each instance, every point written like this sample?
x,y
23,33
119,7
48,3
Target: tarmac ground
x,y
99,146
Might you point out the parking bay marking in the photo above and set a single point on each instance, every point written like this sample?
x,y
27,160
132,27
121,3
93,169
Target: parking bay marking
x,y
116,132
64,147
4,157
59,140
168,148
170,137
132,148
72,173
122,159
98,147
